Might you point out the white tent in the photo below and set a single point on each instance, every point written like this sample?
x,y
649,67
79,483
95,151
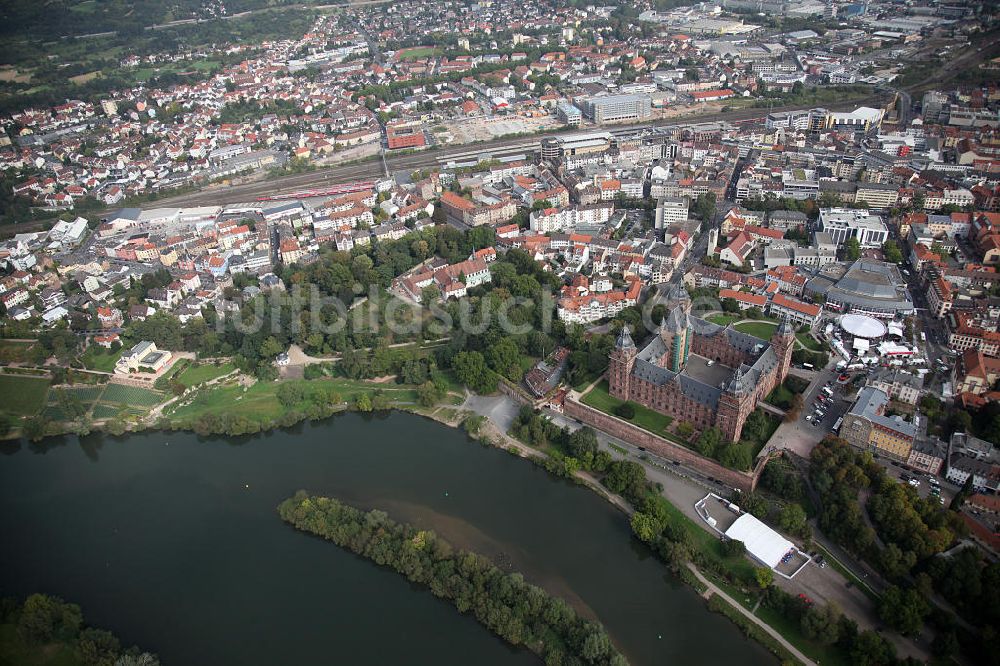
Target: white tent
x,y
766,545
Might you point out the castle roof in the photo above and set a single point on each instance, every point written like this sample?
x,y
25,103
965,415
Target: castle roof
x,y
625,339
744,379
675,321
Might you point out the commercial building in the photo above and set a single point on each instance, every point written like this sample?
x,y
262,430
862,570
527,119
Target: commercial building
x,y
863,118
866,287
671,210
576,148
616,108
877,195
867,426
970,456
569,114
844,223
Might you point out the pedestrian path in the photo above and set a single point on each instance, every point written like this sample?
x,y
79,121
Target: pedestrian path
x,y
714,589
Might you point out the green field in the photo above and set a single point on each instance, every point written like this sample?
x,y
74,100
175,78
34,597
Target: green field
x,y
781,397
85,7
792,631
15,351
645,418
24,396
809,342
260,401
418,52
203,372
760,329
131,395
99,358
723,319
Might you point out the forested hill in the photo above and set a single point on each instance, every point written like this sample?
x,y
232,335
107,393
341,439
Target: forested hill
x,y
58,18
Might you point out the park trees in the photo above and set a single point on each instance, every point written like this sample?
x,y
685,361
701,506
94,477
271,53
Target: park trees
x,y
822,623
764,577
708,441
903,609
504,358
471,369
792,519
582,442
852,249
892,253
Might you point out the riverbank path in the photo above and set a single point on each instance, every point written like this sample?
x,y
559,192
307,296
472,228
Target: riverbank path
x,y
753,618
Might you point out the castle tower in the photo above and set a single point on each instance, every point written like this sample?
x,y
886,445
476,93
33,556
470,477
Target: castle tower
x,y
783,343
675,331
620,365
735,405
678,297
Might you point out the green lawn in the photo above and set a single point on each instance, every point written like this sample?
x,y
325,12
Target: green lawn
x,y
724,319
781,397
99,358
759,329
15,351
758,441
260,401
645,418
204,372
792,632
809,342
24,396
85,7
418,52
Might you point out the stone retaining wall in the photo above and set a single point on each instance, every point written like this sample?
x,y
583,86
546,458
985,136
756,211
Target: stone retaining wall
x,y
512,391
636,436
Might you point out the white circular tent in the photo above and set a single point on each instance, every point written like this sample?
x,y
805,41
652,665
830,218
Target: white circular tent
x,y
863,326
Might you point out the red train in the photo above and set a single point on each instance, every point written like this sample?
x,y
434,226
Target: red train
x,y
333,190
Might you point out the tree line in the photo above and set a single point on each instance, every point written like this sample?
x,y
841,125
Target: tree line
x,y
46,627
905,537
520,613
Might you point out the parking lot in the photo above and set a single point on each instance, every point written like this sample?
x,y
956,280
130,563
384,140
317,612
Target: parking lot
x,y
920,482
802,434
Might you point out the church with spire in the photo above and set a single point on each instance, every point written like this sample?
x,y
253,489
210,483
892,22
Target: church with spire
x,y
696,371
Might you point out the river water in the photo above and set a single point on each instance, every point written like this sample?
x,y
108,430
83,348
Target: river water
x,y
173,542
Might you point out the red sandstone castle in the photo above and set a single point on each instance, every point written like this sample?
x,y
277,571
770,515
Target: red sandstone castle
x,y
700,372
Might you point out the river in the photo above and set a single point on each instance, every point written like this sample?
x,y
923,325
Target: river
x,y
173,542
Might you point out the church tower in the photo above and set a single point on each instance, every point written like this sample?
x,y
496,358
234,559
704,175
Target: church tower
x,y
620,365
783,343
